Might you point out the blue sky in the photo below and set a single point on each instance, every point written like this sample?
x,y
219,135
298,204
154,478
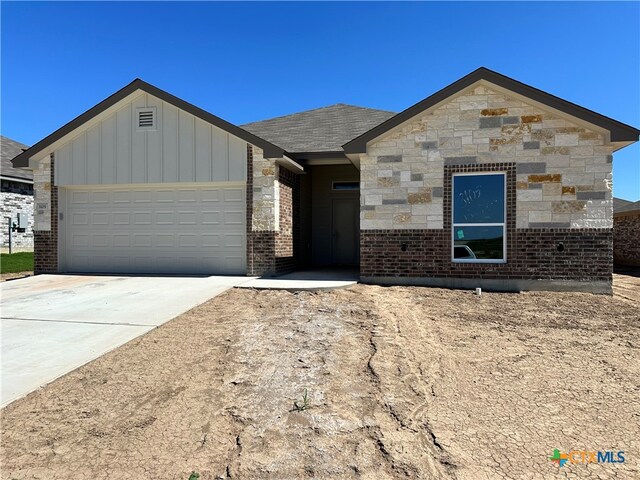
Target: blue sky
x,y
249,61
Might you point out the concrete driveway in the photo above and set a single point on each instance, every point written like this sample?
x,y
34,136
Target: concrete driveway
x,y
52,324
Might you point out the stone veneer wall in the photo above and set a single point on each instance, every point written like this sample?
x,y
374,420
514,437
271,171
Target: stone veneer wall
x,y
272,210
563,170
626,239
558,192
260,243
46,219
16,197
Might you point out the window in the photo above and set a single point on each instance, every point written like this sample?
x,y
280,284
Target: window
x,y
478,226
146,118
346,185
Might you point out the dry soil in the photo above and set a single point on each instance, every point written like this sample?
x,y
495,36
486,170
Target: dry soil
x,y
400,383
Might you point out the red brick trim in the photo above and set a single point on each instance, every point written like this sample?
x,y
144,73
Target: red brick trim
x,y
586,255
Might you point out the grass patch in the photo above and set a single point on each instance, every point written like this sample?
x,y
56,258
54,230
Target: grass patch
x,y
16,262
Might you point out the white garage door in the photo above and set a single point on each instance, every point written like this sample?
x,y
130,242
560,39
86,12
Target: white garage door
x,y
178,229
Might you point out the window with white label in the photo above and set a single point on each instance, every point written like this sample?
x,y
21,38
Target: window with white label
x,y
478,210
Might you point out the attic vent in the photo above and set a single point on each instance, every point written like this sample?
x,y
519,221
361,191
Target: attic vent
x,y
146,118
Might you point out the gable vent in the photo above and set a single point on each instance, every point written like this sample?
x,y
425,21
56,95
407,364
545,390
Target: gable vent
x,y
146,118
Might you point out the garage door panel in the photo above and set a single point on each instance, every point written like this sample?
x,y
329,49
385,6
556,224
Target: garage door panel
x,y
233,195
210,195
80,198
101,240
234,218
121,218
165,196
210,218
165,240
155,229
187,218
121,240
100,197
80,239
121,196
100,218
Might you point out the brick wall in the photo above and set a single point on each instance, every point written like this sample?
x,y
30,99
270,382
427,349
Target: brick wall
x,y
542,253
287,237
532,254
626,239
46,241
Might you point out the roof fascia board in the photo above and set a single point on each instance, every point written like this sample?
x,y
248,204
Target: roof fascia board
x,y
104,108
618,130
290,165
318,155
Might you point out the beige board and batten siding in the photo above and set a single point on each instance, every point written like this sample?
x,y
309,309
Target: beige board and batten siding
x,y
165,199
182,148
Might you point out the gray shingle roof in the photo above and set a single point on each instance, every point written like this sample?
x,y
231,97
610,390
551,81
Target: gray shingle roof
x,y
621,205
323,129
9,150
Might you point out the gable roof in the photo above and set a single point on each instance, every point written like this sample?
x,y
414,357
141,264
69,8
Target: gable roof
x,y
270,149
620,132
323,129
9,149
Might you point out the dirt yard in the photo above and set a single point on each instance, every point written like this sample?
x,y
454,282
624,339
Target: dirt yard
x,y
401,383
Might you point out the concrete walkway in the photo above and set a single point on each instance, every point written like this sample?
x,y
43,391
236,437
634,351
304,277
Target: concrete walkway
x,y
328,279
52,324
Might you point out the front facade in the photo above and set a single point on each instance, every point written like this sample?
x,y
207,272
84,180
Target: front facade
x,y
16,199
487,183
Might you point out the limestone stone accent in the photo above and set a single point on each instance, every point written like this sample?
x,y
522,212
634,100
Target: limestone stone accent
x,y
563,170
265,203
42,197
266,193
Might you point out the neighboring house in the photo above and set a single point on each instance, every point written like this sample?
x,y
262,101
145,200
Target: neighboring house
x,y
626,232
486,183
16,197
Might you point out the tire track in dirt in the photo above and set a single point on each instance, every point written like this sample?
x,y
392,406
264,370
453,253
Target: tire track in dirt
x,y
404,434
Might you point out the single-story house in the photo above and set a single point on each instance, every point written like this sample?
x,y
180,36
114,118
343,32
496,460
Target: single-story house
x,y
16,197
486,183
626,232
